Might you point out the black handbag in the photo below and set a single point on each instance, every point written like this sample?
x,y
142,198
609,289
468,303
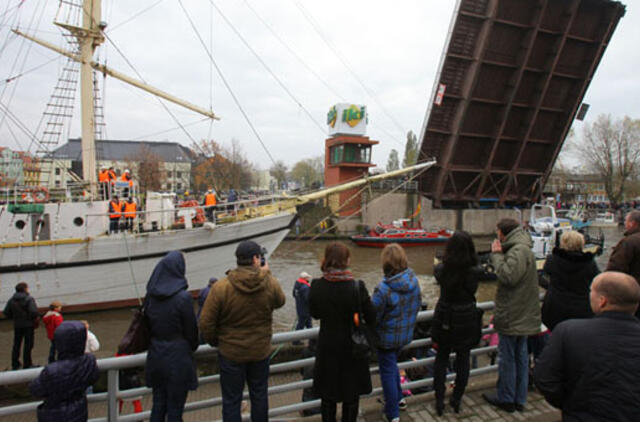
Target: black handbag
x,y
361,344
138,336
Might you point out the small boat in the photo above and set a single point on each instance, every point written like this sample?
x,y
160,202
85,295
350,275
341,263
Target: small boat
x,y
400,232
575,217
605,219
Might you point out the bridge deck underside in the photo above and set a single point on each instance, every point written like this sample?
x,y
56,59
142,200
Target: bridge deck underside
x,y
515,73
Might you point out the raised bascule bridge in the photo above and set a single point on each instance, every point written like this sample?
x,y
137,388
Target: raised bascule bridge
x,y
511,81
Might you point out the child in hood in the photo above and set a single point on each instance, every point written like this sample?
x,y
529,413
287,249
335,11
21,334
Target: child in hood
x,y
51,320
62,384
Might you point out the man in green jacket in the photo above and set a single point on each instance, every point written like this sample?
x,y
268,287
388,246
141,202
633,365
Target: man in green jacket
x,y
236,318
517,312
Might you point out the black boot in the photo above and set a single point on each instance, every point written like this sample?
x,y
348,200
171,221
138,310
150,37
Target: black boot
x,y
349,411
455,404
328,410
439,408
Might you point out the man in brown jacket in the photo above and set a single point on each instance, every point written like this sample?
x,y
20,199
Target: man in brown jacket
x,y
625,257
236,318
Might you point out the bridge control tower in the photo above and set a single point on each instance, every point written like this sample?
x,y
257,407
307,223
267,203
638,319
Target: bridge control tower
x,y
347,154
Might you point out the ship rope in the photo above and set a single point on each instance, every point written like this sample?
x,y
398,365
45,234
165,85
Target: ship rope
x,y
133,277
226,84
324,220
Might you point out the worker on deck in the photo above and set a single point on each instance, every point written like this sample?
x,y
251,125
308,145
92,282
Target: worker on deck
x,y
129,212
126,177
112,180
103,179
209,203
115,212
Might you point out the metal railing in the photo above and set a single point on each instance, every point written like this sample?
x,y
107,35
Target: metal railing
x,y
113,365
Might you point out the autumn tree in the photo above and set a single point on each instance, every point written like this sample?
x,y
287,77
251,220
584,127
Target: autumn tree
x,y
279,172
410,150
147,168
221,167
394,162
611,149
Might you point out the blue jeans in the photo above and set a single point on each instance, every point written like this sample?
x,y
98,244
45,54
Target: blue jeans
x,y
513,369
52,352
232,377
390,380
304,322
168,404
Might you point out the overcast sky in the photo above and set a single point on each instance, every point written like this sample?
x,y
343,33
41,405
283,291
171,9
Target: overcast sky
x,y
375,53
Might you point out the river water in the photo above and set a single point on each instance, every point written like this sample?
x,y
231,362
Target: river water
x,y
291,258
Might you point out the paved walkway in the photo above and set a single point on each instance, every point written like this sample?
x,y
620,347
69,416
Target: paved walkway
x,y
474,408
420,407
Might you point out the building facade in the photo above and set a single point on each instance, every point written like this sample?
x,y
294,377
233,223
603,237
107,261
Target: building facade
x,y
175,162
11,167
571,188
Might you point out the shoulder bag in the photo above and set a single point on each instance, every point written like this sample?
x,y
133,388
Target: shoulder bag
x,y
138,336
361,346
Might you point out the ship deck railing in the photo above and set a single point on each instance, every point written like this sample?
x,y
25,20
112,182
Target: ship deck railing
x,y
113,365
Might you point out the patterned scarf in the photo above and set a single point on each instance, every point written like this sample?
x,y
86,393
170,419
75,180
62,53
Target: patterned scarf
x,y
337,275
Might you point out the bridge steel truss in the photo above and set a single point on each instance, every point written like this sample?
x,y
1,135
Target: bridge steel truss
x,y
514,74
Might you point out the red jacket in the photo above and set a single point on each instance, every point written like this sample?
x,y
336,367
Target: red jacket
x,y
51,320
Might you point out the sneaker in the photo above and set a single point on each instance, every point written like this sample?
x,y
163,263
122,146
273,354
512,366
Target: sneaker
x,y
519,407
492,399
386,419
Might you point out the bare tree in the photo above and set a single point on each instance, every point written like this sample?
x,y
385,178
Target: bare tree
x,y
279,172
612,151
394,162
147,168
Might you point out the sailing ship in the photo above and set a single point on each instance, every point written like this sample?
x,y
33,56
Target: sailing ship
x,y
63,250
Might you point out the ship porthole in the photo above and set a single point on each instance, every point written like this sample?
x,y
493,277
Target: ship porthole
x,y
20,224
78,221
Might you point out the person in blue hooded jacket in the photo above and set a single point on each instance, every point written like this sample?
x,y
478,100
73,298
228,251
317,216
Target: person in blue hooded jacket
x,y
170,368
397,300
63,383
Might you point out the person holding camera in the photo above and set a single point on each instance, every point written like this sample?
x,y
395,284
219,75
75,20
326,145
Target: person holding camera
x,y
236,318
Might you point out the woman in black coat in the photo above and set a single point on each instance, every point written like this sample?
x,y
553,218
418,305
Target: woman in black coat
x,y
568,272
171,368
456,323
338,377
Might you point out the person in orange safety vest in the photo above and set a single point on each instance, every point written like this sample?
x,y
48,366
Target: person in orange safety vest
x,y
115,212
126,177
103,179
209,202
129,213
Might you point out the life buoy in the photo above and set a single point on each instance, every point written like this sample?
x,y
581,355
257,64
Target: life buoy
x,y
40,195
198,218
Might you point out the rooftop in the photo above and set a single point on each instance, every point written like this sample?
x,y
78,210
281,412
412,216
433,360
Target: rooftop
x,y
117,150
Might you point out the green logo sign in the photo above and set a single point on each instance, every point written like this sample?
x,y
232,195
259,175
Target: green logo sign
x,y
353,115
332,116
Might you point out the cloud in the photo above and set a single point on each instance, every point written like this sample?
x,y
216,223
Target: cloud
x,y
391,48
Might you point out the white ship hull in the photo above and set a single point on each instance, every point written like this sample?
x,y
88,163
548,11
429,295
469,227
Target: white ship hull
x,y
97,273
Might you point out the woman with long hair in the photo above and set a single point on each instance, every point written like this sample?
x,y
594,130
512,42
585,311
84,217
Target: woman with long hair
x,y
456,321
396,300
171,368
333,299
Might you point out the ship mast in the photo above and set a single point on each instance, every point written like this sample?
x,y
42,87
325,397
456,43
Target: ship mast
x,y
89,38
